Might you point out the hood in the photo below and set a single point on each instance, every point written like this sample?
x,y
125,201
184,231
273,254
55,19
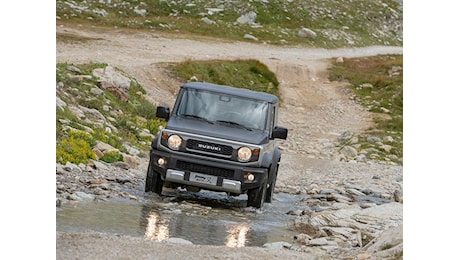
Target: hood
x,y
217,130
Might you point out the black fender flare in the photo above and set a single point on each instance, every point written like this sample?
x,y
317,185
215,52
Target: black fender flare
x,y
271,163
154,143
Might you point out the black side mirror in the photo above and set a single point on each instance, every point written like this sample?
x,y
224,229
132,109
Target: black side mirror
x,y
279,132
163,112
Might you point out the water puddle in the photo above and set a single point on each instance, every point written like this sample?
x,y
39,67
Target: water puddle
x,y
202,218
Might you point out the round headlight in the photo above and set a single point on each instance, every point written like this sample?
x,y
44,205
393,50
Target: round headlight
x,y
244,154
174,142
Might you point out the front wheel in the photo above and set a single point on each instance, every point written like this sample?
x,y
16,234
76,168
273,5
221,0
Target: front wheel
x,y
256,197
271,187
153,181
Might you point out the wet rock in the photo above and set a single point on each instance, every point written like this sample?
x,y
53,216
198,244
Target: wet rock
x,y
79,195
295,212
177,240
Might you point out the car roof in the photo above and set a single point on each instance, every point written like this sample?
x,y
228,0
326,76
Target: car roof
x,y
242,92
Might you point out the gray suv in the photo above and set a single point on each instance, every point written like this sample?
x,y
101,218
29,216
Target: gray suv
x,y
218,138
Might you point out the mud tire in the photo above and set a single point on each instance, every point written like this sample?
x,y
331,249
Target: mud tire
x,y
153,181
256,197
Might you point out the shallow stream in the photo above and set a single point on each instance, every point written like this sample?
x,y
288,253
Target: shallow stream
x,y
204,218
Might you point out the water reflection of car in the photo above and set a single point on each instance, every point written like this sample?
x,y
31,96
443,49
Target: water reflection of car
x,y
218,138
163,224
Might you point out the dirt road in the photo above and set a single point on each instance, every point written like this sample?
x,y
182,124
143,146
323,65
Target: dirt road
x,y
315,110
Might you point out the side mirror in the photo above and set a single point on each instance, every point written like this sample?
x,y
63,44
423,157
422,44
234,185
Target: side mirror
x,y
279,132
163,112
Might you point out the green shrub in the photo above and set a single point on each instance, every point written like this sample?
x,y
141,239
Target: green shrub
x,y
108,138
73,150
145,109
250,74
113,156
153,125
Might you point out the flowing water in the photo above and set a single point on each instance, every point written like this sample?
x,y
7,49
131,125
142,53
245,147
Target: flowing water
x,y
204,218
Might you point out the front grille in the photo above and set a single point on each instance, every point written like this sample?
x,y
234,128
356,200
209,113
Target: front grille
x,y
199,168
209,147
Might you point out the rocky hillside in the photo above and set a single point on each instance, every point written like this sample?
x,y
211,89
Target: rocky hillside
x,y
308,23
101,114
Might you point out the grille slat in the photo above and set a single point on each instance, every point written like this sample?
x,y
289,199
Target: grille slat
x,y
199,168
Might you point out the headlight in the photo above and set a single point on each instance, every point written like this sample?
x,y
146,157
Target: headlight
x,y
244,154
174,142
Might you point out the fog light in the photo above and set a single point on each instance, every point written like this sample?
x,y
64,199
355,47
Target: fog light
x,y
249,176
161,161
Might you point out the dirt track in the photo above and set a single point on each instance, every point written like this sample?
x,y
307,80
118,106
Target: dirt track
x,y
315,110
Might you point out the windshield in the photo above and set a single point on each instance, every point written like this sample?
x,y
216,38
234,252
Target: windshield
x,y
219,108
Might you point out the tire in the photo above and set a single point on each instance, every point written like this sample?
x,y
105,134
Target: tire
x,y
153,181
271,188
256,197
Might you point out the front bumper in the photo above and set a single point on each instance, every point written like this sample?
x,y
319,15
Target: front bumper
x,y
206,173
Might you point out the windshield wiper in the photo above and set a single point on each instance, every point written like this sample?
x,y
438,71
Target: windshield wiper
x,y
234,123
197,117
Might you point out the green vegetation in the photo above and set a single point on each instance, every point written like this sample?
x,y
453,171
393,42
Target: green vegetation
x,y
377,83
111,119
250,74
75,148
337,24
112,156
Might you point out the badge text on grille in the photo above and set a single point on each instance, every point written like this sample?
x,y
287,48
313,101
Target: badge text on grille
x,y
209,147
